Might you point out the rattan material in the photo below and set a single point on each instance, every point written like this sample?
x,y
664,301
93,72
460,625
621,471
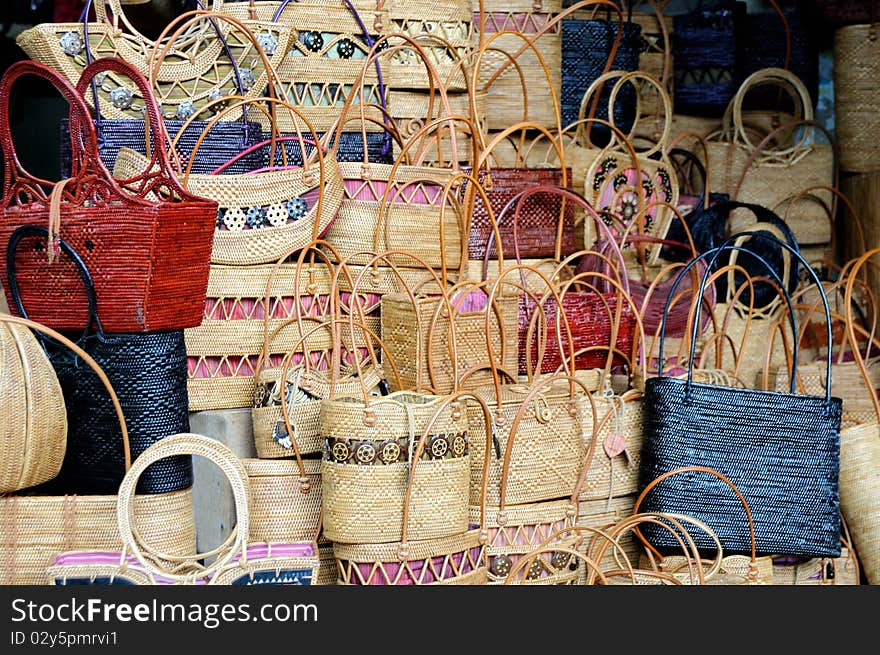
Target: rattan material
x,y
285,506
454,560
516,531
327,570
603,514
407,219
255,224
412,110
451,20
185,74
316,75
734,569
363,504
770,175
505,92
33,420
841,571
614,472
860,493
422,350
224,350
147,256
548,449
856,95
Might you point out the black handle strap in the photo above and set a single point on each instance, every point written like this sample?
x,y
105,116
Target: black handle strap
x,y
12,276
714,254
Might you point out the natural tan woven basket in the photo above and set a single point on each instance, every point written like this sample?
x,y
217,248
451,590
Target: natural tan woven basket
x,y
603,514
527,86
326,56
285,500
187,65
34,528
33,419
756,170
224,351
448,20
364,496
856,96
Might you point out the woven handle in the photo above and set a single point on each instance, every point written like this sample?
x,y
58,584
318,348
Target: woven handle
x,y
231,466
159,169
753,571
117,16
789,275
778,77
665,101
19,186
529,559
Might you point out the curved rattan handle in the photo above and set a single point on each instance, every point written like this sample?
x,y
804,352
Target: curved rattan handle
x,y
530,558
118,16
17,181
850,325
753,571
180,445
82,354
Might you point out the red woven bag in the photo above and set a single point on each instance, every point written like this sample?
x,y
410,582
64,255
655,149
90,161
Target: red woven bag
x,y
597,319
147,242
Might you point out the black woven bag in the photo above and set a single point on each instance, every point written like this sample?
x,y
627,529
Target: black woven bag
x,y
147,371
586,47
704,56
225,140
760,43
782,450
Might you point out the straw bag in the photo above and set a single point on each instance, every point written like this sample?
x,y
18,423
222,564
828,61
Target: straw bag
x,y
856,93
369,446
546,225
148,255
148,370
233,340
771,169
704,49
33,416
790,475
224,142
326,55
285,499
239,561
199,57
37,525
637,188
454,559
602,515
860,457
590,49
444,27
729,569
517,521
655,57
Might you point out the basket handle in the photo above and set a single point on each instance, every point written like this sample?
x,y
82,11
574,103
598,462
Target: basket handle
x,y
231,466
850,325
754,574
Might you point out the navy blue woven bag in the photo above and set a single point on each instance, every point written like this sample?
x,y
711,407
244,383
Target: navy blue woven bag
x,y
782,450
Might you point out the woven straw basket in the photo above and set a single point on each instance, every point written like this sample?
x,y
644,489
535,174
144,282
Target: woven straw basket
x,y
856,96
450,20
751,170
224,351
33,420
364,497
841,571
527,80
285,500
189,63
603,514
317,76
34,528
860,493
546,453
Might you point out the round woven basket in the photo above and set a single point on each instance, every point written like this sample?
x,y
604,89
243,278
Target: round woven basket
x,y
857,96
285,506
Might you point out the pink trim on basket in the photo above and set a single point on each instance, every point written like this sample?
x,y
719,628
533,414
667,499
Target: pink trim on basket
x,y
527,23
218,366
446,572
425,194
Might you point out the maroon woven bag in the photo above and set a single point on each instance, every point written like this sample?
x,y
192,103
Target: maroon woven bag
x,y
147,242
590,313
539,218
